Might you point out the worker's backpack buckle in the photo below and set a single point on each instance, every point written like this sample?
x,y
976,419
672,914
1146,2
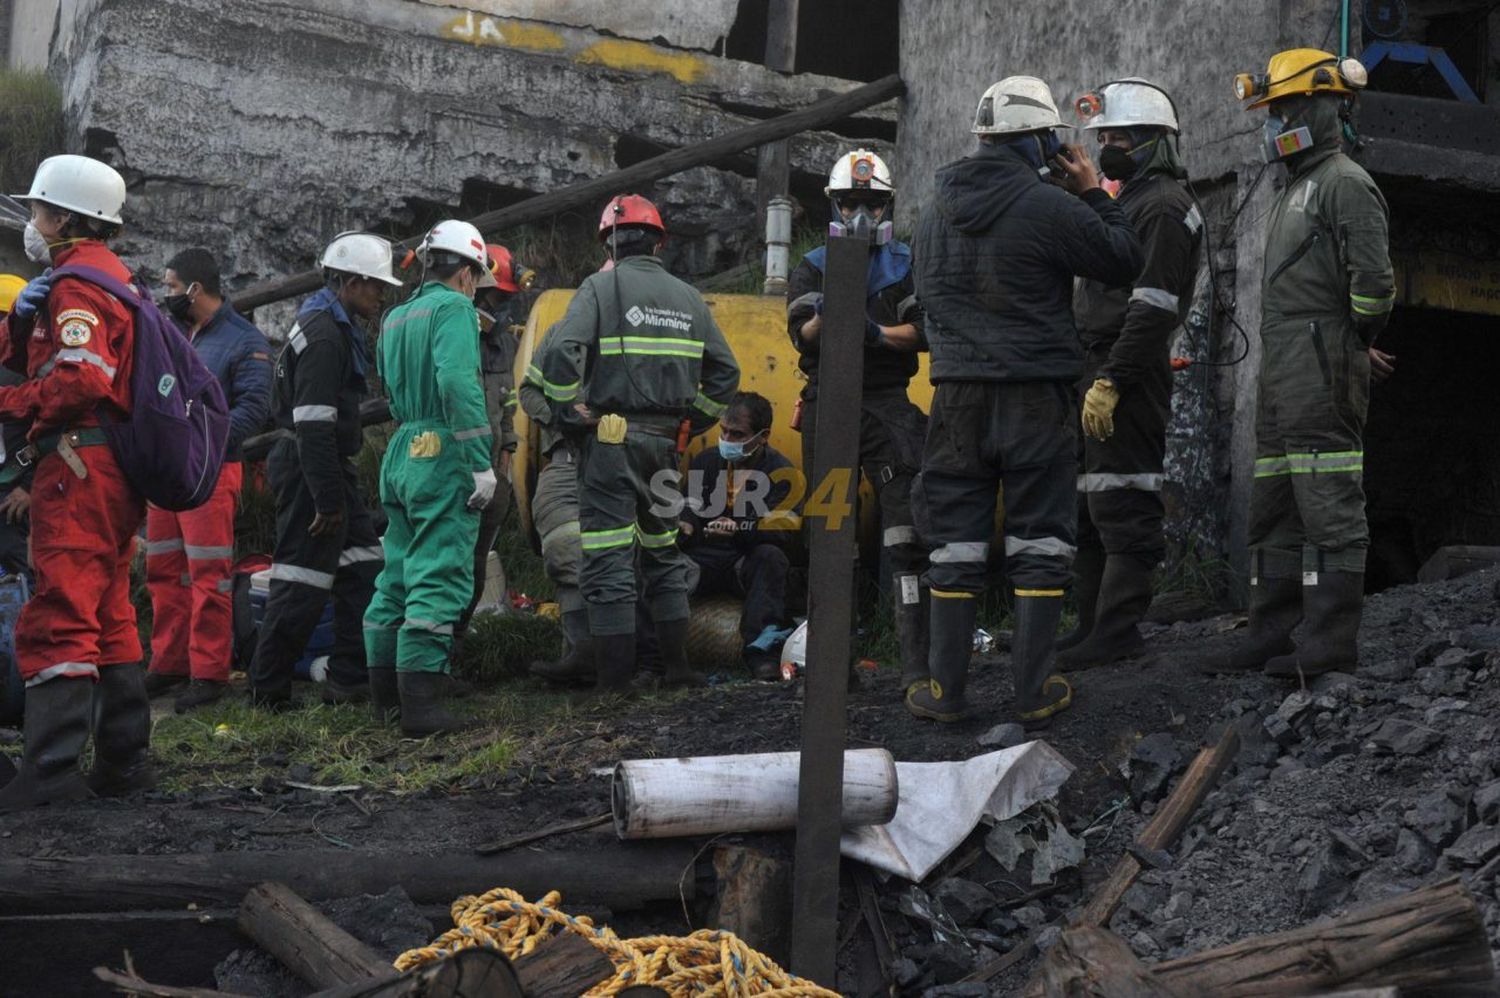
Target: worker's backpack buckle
x,y
26,456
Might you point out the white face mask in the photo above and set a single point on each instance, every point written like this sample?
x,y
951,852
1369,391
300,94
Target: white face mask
x,y
36,245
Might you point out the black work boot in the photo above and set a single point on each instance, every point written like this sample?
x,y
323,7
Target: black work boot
x,y
56,728
951,629
158,683
1331,635
200,693
1040,692
335,692
1275,610
1124,595
385,695
912,632
671,642
614,665
423,711
576,666
122,732
1088,578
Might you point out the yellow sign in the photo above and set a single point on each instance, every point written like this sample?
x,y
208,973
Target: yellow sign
x,y
1448,281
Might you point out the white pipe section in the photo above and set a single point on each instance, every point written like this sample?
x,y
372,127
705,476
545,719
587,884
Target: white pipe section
x,y
778,244
661,798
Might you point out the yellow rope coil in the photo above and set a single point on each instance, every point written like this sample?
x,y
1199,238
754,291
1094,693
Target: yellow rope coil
x,y
707,964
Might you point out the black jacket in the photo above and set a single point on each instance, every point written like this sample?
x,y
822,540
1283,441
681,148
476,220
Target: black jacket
x,y
891,302
1127,328
707,491
995,260
320,379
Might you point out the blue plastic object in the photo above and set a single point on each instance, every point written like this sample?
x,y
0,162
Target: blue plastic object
x,y
1420,55
321,642
15,590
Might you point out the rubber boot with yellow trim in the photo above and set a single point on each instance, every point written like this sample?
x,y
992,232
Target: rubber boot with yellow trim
x,y
1040,693
912,631
951,636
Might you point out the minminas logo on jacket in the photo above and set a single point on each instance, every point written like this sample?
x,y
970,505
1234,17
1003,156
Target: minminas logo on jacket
x,y
662,318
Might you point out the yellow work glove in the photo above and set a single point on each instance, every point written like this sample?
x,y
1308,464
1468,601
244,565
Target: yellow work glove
x,y
1099,409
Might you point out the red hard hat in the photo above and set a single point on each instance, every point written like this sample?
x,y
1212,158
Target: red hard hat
x,y
629,209
502,268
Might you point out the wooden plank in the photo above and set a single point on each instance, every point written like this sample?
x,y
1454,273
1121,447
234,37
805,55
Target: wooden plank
x,y
130,984
773,162
593,193
1093,963
563,966
1165,826
754,899
305,940
1427,941
831,586
613,874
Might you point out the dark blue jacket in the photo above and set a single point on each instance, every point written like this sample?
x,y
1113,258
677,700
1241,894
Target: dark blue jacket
x,y
996,255
239,356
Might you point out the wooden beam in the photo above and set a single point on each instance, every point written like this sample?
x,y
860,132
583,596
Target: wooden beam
x,y
593,193
773,165
820,786
563,966
306,940
1428,941
606,873
1165,827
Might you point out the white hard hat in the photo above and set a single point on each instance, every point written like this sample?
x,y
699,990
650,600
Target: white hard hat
x,y
794,653
458,238
1128,103
859,170
1016,104
79,184
362,253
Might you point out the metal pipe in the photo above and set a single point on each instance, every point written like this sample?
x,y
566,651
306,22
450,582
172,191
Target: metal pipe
x,y
1344,30
778,244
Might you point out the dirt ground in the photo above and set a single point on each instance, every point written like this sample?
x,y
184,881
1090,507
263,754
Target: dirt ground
x,y
1273,801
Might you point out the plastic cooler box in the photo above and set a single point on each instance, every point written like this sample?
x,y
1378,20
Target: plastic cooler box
x,y
318,646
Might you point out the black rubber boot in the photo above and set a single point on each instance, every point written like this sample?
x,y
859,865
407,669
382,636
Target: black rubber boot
x,y
385,695
335,692
614,665
1088,578
1124,595
1275,611
576,666
1331,641
122,732
158,683
677,671
951,626
423,705
912,633
56,729
200,693
1040,693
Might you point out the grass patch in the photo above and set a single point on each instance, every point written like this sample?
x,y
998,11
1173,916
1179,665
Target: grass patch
x,y
502,647
233,744
31,119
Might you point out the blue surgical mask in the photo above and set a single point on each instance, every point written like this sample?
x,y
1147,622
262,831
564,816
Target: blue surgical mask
x,y
736,450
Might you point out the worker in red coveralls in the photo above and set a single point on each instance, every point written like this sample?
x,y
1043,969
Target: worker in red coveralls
x,y
76,642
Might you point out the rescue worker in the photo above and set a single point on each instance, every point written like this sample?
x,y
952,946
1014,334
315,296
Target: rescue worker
x,y
736,525
437,475
1327,291
554,515
1126,391
15,477
326,544
190,555
644,350
995,260
76,642
891,428
499,328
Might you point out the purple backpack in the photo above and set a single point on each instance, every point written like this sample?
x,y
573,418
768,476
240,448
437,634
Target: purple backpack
x,y
172,444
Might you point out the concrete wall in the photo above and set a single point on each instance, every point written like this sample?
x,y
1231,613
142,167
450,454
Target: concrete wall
x,y
30,25
262,128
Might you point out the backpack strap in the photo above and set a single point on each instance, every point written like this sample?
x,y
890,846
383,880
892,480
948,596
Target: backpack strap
x,y
102,280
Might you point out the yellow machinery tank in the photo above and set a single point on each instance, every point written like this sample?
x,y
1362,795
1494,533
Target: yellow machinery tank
x,y
755,327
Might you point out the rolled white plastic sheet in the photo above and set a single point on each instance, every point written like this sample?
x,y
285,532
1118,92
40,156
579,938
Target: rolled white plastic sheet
x,y
663,798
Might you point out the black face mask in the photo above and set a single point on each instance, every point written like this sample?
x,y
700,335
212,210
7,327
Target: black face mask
x,y
1116,163
178,306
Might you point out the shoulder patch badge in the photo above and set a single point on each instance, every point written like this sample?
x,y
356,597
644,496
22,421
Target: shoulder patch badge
x,y
75,333
68,315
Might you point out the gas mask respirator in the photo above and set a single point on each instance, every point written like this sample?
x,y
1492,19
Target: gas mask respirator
x,y
1279,140
863,219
